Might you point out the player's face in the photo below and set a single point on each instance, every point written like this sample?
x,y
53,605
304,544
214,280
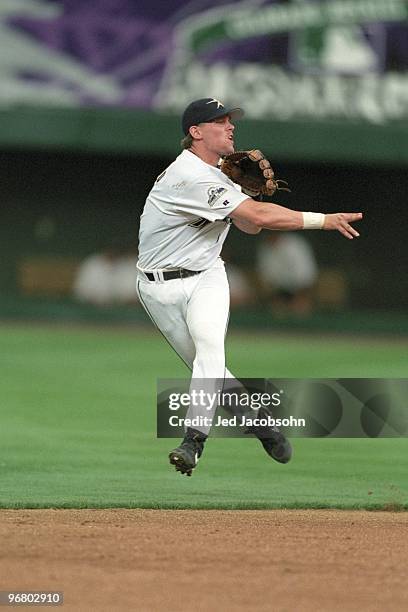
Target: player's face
x,y
218,135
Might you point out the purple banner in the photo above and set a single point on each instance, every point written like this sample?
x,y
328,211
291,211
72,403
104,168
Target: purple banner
x,y
283,60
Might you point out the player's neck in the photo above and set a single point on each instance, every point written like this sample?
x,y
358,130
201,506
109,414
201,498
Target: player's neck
x,y
205,155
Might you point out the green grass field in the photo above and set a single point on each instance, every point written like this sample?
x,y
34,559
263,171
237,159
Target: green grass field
x,y
78,423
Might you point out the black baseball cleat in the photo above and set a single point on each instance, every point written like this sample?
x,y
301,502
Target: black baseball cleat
x,y
273,440
185,457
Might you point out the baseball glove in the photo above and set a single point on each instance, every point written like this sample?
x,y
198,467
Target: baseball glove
x,y
253,172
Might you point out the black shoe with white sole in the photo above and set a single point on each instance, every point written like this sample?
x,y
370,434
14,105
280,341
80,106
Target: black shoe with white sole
x,y
185,457
271,438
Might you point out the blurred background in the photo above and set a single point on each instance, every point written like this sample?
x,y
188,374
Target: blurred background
x,y
90,102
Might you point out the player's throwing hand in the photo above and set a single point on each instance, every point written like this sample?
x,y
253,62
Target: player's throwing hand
x,y
341,222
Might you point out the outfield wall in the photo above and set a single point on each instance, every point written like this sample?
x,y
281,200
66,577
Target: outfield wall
x,y
141,132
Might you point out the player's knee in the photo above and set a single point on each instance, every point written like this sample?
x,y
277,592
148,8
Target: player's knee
x,y
205,330
209,346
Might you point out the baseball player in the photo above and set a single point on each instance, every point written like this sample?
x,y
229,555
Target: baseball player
x,y
181,279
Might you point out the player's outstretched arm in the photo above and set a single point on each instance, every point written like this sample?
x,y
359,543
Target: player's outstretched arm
x,y
274,217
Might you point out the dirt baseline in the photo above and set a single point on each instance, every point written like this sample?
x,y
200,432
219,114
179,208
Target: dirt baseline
x,y
168,560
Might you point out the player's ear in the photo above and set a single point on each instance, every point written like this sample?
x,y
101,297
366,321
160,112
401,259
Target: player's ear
x,y
195,132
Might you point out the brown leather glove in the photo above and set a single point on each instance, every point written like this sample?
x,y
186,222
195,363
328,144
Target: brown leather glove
x,y
252,171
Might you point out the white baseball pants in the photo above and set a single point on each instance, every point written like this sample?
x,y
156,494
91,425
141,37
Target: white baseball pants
x,y
192,313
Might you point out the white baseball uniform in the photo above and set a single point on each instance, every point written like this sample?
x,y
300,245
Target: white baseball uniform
x,y
184,224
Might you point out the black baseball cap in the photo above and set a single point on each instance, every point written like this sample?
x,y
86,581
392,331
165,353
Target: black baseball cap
x,y
206,110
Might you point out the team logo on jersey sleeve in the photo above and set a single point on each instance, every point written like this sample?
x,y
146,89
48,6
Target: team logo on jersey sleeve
x,y
214,193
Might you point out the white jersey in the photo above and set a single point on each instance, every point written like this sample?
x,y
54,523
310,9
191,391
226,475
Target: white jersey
x,y
185,219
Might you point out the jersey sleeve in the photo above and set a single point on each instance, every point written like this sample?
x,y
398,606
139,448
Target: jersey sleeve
x,y
212,197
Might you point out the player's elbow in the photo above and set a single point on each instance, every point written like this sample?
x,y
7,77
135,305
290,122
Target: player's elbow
x,y
246,227
254,230
252,214
250,228
275,217
257,220
261,215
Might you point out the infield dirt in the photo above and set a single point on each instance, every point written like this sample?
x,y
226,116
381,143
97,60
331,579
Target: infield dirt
x,y
170,560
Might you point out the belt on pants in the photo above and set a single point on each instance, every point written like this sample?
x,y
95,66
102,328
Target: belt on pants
x,y
171,274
